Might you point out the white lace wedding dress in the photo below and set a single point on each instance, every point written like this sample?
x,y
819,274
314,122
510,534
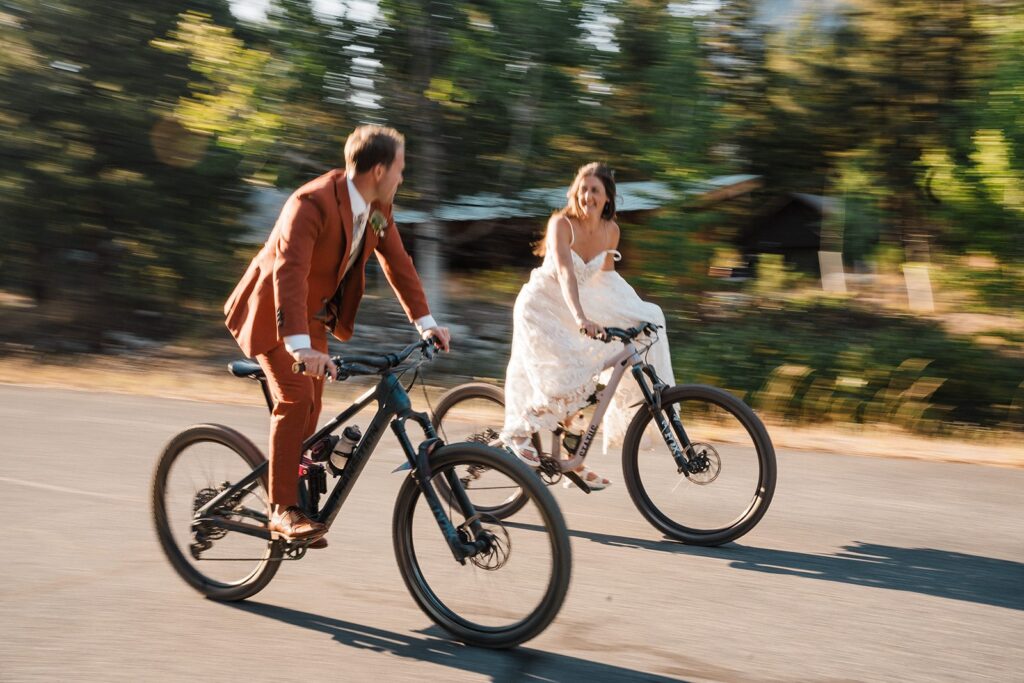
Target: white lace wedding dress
x,y
554,368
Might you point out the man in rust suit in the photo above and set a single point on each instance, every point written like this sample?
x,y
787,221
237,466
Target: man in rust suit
x,y
307,281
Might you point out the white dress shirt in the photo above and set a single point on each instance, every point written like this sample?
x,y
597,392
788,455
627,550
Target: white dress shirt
x,y
360,217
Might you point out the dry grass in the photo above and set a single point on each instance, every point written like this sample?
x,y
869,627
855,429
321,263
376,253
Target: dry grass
x,y
180,379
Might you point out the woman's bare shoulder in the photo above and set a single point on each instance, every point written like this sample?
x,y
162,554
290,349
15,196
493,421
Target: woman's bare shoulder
x,y
613,234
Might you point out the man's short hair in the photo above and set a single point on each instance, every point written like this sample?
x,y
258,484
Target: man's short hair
x,y
368,146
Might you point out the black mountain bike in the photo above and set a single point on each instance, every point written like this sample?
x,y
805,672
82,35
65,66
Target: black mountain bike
x,y
697,461
211,509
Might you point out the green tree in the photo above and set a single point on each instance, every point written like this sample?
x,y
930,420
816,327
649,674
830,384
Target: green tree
x,y
657,111
114,213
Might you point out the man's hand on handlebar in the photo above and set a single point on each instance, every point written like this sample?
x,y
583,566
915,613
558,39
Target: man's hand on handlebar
x,y
441,336
313,363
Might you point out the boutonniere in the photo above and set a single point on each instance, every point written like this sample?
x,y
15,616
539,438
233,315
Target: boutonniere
x,y
378,223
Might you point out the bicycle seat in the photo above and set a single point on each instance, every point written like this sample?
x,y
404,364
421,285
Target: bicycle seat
x,y
245,368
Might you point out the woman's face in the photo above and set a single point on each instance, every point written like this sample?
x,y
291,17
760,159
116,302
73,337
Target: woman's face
x,y
591,197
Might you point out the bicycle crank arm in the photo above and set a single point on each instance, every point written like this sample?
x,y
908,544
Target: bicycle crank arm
x,y
578,480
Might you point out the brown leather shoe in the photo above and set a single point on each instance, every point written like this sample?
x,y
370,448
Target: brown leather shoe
x,y
294,525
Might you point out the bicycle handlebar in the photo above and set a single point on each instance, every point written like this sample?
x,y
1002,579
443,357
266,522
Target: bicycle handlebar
x,y
358,364
627,335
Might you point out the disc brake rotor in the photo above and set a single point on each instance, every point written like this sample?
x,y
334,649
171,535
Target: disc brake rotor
x,y
705,464
498,545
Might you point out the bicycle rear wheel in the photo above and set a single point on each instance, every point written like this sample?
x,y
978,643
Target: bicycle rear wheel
x,y
195,466
734,488
476,412
498,598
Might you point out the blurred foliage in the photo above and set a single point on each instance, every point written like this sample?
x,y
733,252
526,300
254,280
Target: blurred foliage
x,y
132,136
827,360
111,209
922,101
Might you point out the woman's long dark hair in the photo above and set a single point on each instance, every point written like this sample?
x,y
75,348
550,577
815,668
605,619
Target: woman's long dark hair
x,y
602,173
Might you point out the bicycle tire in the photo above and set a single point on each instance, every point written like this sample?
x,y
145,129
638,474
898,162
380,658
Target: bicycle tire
x,y
448,404
766,476
252,458
553,595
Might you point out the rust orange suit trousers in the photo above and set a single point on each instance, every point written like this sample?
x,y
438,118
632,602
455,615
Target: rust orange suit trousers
x,y
297,400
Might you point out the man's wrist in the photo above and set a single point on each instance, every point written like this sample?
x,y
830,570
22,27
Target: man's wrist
x,y
297,342
425,323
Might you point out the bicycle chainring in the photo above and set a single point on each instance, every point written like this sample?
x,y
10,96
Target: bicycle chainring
x,y
550,471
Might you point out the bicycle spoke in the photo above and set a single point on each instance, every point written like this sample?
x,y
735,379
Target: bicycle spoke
x,y
198,474
499,588
730,476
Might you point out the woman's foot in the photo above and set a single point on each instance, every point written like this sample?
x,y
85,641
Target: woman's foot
x,y
594,481
523,449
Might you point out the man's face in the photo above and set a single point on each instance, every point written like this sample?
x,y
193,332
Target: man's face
x,y
391,177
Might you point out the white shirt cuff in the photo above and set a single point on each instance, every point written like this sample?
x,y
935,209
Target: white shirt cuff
x,y
294,342
425,323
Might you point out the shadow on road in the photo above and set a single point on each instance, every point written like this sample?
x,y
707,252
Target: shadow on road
x,y
941,573
521,663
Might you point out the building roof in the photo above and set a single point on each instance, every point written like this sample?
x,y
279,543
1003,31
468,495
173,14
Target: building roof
x,y
486,206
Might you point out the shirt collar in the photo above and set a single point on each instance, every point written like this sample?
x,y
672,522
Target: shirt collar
x,y
355,199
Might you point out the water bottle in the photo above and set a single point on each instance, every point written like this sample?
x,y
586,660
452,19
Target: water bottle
x,y
571,441
573,433
346,444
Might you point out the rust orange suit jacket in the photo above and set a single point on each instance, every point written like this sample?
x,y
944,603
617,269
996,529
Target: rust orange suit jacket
x,y
294,284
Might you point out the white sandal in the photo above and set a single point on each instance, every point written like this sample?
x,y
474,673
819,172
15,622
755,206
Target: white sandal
x,y
596,483
524,452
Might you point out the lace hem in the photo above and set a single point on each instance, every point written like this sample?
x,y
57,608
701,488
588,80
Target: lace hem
x,y
546,417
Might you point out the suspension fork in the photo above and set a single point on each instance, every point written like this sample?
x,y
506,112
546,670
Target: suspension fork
x,y
419,459
672,430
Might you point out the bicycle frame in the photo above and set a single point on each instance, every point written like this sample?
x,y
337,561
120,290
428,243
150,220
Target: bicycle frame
x,y
671,430
394,408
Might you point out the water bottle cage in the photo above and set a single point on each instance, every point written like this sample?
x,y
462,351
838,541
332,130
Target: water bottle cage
x,y
571,442
323,448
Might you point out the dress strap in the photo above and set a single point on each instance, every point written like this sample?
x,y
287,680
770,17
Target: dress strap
x,y
616,254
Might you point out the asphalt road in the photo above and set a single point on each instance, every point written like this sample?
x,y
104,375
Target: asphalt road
x,y
864,569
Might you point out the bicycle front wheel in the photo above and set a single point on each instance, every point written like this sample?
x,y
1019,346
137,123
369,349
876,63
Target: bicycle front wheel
x,y
195,466
734,482
500,597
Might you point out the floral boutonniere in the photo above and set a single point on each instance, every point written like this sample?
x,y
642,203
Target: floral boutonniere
x,y
378,223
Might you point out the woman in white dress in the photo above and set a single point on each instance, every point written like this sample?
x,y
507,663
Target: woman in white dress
x,y
556,362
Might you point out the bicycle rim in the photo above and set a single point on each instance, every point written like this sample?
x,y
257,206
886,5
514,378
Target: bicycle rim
x,y
197,465
737,479
475,413
499,598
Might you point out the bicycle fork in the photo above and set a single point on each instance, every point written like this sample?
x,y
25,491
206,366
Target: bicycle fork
x,y
419,461
671,429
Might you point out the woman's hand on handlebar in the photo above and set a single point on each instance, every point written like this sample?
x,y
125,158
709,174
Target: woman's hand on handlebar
x,y
590,328
312,363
